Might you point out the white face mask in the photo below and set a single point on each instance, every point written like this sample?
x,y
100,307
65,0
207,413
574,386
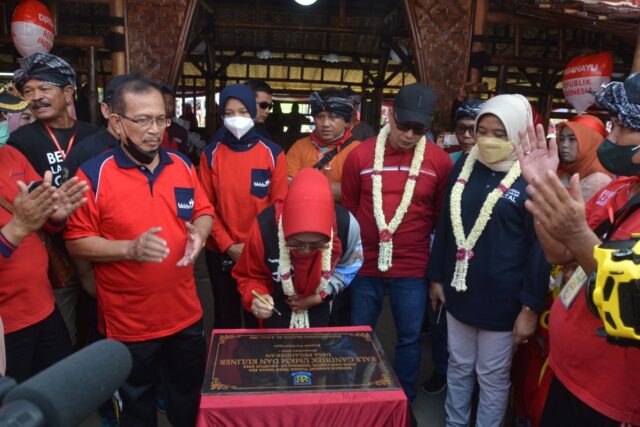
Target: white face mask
x,y
238,125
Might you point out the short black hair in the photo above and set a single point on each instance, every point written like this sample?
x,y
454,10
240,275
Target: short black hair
x,y
259,86
135,84
167,89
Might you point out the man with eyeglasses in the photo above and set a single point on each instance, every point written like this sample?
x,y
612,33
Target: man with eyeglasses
x,y
264,102
465,132
395,186
48,83
144,224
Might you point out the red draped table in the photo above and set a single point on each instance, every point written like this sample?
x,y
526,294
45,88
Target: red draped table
x,y
310,377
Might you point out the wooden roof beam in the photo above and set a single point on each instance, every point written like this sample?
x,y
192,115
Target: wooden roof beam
x,y
307,28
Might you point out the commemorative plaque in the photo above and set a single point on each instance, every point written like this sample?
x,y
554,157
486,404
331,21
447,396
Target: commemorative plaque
x,y
296,361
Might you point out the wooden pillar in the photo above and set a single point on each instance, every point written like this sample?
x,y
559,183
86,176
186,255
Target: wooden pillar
x,y
118,59
479,29
93,91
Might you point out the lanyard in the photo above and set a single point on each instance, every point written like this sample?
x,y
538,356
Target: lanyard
x,y
55,141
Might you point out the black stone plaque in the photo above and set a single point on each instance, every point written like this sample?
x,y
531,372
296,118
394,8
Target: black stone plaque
x,y
293,362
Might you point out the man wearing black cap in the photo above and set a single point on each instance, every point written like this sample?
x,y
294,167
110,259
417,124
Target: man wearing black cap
x,y
48,82
395,186
596,382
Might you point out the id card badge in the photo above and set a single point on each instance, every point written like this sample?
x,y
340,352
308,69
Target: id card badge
x,y
571,290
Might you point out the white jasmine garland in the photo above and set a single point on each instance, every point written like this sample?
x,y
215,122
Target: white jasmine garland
x,y
301,320
465,245
386,231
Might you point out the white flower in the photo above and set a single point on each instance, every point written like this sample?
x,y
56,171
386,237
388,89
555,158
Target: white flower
x,y
385,230
301,320
465,245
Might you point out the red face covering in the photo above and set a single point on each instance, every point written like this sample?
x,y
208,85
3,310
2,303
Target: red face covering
x,y
338,142
309,208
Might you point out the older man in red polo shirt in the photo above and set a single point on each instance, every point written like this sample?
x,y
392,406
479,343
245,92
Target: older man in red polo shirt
x,y
143,226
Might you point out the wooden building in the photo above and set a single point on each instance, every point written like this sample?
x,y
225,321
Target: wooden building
x,y
372,46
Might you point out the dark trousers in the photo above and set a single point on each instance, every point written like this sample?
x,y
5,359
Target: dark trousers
x,y
179,361
227,304
341,309
36,347
563,409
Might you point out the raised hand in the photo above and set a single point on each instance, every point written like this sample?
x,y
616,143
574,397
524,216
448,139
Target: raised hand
x,y
148,247
31,209
534,155
70,196
193,247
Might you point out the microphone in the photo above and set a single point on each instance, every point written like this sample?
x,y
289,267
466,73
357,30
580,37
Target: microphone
x,y
66,393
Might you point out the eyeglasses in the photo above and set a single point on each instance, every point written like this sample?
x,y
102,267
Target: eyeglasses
x,y
265,105
417,128
146,122
307,246
462,129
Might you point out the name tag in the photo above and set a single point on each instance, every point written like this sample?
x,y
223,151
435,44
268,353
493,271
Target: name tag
x,y
571,290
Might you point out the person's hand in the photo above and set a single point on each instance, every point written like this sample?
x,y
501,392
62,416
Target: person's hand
x,y
31,209
525,325
559,210
194,246
235,251
148,247
298,304
536,159
70,197
436,295
259,309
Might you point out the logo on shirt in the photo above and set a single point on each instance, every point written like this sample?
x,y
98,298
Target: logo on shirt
x,y
604,197
512,195
186,205
260,182
184,202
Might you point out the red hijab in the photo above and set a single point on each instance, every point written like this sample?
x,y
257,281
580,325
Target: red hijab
x,y
309,208
589,132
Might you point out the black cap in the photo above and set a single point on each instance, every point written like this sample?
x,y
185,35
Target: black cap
x,y
10,103
415,103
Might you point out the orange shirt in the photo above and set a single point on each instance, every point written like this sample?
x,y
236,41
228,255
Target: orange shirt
x,y
305,154
239,185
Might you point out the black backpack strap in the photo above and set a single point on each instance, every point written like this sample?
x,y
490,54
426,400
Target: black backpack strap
x,y
606,228
329,155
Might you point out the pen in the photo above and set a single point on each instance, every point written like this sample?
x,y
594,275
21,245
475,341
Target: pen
x,y
439,313
264,301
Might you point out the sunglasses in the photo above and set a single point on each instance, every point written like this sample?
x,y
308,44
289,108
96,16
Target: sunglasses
x,y
416,128
462,129
265,105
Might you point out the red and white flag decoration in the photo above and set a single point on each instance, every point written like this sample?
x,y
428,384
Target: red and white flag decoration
x,y
584,75
32,28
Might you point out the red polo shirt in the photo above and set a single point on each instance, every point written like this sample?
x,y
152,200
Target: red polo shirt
x,y
141,301
412,239
25,292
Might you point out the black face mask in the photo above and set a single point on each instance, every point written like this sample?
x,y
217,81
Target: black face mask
x,y
144,157
617,158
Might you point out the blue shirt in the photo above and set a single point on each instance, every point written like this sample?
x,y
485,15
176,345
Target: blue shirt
x,y
508,269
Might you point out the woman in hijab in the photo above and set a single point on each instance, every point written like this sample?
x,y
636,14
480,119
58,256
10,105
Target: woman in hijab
x,y
578,143
300,253
242,173
487,267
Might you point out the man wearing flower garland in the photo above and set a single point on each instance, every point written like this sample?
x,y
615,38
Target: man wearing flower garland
x,y
395,185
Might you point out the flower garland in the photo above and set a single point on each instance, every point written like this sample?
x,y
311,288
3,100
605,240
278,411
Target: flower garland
x,y
386,230
465,245
301,319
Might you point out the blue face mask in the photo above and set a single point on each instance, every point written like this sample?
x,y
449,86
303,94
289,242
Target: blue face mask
x,y
617,158
4,132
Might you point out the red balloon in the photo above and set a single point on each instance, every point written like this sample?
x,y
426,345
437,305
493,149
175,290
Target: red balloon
x,y
32,28
584,75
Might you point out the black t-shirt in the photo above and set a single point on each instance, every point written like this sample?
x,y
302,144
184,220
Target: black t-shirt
x,y
35,143
90,147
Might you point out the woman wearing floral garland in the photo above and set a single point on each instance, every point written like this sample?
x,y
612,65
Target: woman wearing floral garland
x,y
487,265
299,254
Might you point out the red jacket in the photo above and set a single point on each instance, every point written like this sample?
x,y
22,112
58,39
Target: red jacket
x,y
412,239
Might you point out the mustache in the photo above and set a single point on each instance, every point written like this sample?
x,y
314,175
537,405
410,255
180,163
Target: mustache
x,y
39,103
154,139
